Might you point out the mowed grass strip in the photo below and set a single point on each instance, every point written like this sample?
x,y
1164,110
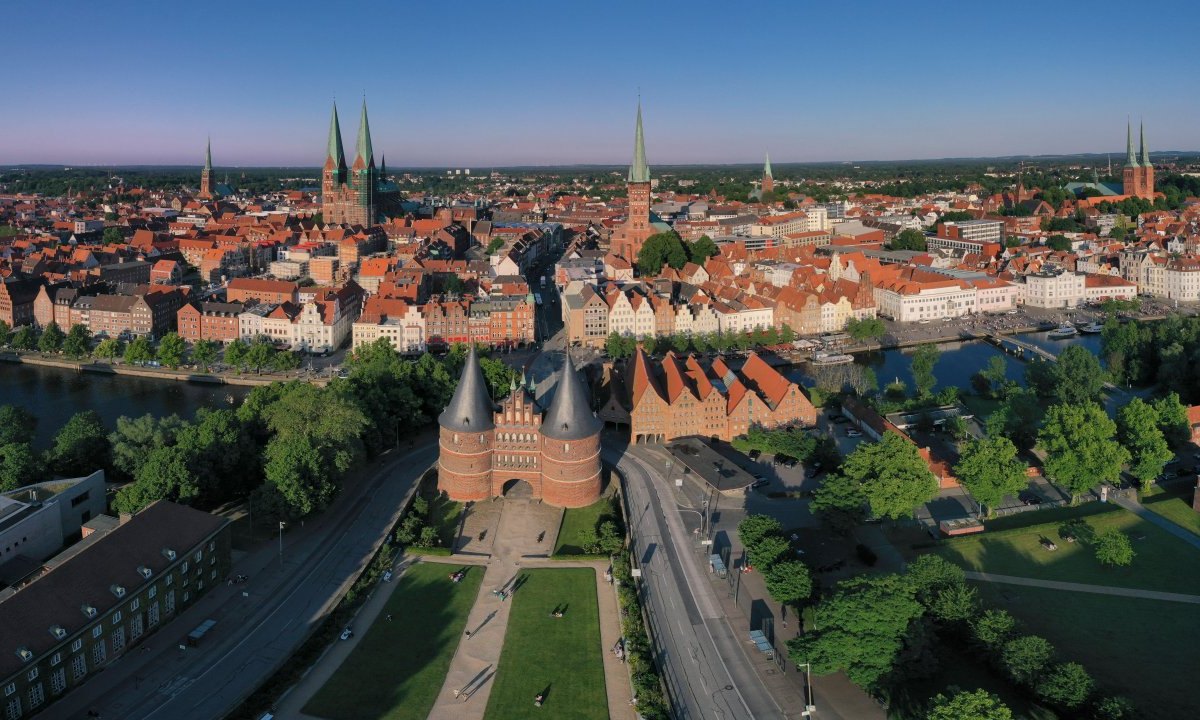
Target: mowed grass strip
x,y
578,524
398,667
1142,649
560,657
1163,561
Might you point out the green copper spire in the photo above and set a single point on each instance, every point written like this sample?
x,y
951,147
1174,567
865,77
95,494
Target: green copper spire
x,y
639,171
1145,152
334,152
362,149
1130,158
767,167
208,156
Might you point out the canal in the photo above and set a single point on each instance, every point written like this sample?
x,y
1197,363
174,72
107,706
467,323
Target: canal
x,y
54,395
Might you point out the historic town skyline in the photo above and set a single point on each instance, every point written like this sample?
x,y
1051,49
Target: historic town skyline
x,y
541,88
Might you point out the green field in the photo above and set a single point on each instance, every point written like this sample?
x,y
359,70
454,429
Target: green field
x,y
1176,506
558,657
1163,561
1142,649
578,524
398,667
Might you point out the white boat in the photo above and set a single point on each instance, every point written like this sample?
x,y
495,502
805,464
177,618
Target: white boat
x,y
1062,332
1092,328
826,358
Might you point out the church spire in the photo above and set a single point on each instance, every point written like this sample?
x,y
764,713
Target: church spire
x,y
1130,158
767,167
1145,152
639,171
334,156
362,149
208,155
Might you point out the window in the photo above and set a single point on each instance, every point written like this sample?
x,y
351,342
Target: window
x,y
199,554
152,613
14,708
118,639
9,689
116,618
78,667
212,575
99,652
186,596
37,695
97,631
184,569
58,681
32,674
170,580
56,658
135,627
153,591
75,646
170,602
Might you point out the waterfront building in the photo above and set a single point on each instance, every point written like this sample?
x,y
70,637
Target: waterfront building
x,y
519,449
104,596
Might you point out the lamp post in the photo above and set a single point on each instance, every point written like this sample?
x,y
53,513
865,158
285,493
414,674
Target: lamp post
x,y
809,706
282,525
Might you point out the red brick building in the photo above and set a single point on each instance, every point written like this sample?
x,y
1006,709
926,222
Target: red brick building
x,y
16,300
272,292
627,239
213,321
519,449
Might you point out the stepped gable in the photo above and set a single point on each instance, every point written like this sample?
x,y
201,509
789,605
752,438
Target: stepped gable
x,y
570,415
471,408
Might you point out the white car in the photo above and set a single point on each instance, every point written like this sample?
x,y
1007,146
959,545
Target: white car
x,y
387,576
347,634
853,433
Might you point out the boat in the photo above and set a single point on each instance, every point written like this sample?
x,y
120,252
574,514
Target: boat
x,y
826,358
1062,332
1046,325
1092,328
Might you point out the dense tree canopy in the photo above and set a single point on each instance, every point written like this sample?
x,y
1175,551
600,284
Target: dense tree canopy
x,y
890,476
1081,447
908,240
990,470
923,361
969,705
81,446
1138,430
17,425
660,249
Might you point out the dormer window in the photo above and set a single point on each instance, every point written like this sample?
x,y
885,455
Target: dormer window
x,y
168,553
88,611
117,590
145,571
24,654
58,631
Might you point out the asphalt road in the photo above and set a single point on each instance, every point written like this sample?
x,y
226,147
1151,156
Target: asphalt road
x,y
706,672
257,631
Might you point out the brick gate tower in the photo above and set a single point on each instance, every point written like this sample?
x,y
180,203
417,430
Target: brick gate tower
x,y
487,452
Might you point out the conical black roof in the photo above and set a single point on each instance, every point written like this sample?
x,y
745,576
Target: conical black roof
x,y
570,415
470,410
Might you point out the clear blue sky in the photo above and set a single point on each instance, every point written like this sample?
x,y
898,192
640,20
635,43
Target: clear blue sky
x,y
479,84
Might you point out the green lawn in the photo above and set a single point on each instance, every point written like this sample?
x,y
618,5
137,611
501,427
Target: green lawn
x,y
579,523
1163,562
1176,506
1142,649
559,657
398,668
980,407
444,515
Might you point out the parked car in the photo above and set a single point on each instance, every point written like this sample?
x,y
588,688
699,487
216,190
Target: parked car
x,y
1029,498
759,481
754,454
853,433
347,634
786,460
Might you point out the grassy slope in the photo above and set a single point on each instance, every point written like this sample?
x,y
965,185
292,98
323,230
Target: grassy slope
x,y
576,523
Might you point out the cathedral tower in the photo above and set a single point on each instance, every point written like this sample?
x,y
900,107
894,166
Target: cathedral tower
x,y
768,181
206,174
1130,175
628,239
1146,183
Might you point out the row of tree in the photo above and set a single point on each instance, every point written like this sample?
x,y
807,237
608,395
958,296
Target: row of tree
x,y
767,550
622,346
884,631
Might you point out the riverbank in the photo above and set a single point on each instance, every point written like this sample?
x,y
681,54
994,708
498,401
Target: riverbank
x,y
98,368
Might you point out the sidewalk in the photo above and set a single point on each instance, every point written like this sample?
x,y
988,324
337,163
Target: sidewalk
x,y
1080,587
1135,507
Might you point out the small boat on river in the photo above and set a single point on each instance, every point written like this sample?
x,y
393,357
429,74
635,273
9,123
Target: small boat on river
x,y
825,358
1062,332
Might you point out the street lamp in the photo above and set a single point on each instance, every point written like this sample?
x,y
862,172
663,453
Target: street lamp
x,y
809,706
282,525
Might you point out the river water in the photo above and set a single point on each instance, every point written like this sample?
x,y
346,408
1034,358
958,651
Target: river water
x,y
54,395
958,362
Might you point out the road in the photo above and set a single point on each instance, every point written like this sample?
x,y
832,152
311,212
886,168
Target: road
x,y
257,631
705,670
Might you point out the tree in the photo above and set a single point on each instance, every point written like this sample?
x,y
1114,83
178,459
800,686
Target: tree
x,y
660,249
768,551
989,469
5,333
1058,242
909,240
258,355
113,236
165,475
931,574
1024,658
1076,377
20,465
889,475
52,338
1138,431
1113,548
993,628
702,250
140,351
860,629
78,342
25,338
204,353
108,349
618,347
955,603
296,473
1081,451
995,374
17,425
789,582
135,438
1173,419
283,361
1113,708
171,349
923,360
1067,684
81,446
235,353
1018,418
969,705
865,329
754,528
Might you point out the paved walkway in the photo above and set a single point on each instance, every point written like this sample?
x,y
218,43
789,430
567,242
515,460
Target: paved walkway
x,y
1080,587
1133,506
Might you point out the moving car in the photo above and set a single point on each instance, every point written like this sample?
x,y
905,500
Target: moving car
x,y
347,634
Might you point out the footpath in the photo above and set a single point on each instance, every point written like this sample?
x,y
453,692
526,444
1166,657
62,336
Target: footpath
x,y
1081,587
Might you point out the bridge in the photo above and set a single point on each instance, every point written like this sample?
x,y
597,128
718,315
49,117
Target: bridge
x,y
1021,348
